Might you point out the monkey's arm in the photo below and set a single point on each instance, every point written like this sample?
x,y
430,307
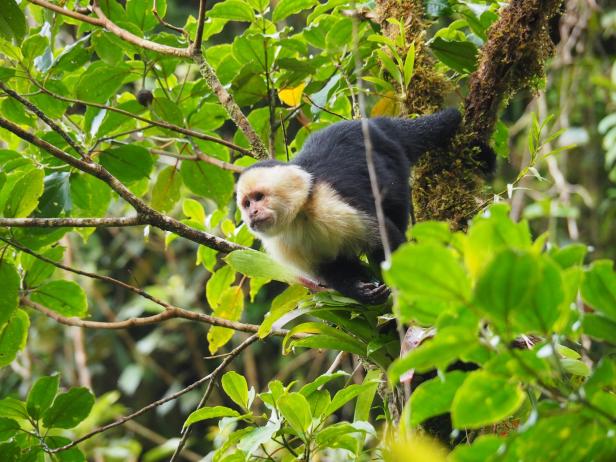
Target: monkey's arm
x,y
351,278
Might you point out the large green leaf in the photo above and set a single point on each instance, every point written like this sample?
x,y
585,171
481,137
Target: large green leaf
x,y
64,297
41,395
13,335
230,307
253,263
434,397
448,345
286,8
9,290
236,387
12,21
458,55
166,189
217,284
69,409
128,163
599,288
521,291
428,271
208,180
24,195
13,408
101,81
346,394
484,399
235,10
215,412
139,12
295,409
90,196
320,335
281,305
8,428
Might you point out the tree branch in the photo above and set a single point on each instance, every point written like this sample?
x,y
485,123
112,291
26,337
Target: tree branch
x,y
41,115
150,215
196,47
235,352
111,222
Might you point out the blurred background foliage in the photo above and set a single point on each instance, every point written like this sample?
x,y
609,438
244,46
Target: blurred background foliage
x,y
571,193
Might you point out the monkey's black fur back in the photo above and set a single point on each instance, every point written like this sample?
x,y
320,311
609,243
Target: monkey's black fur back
x,y
337,156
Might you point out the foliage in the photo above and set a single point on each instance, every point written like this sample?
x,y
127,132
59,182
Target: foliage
x,y
534,318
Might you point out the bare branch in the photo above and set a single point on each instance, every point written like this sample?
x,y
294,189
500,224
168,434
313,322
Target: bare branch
x,y
196,47
171,313
230,105
236,351
201,156
111,222
151,216
41,115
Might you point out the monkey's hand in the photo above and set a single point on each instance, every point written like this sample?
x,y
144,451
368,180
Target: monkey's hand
x,y
371,293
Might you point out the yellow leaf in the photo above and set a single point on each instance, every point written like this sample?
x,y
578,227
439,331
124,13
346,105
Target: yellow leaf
x,y
413,449
386,106
292,96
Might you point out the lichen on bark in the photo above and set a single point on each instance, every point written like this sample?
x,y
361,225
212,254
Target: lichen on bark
x,y
450,185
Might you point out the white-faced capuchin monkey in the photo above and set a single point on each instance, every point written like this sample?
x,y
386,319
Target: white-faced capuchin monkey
x,y
317,212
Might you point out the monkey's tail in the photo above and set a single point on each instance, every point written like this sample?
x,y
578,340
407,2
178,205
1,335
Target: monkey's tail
x,y
428,132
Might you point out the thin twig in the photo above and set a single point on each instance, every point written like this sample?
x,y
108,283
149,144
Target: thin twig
x,y
41,115
111,222
155,404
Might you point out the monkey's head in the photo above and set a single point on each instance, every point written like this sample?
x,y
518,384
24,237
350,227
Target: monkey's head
x,y
271,194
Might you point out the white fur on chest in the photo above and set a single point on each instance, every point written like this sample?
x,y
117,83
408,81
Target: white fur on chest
x,y
326,227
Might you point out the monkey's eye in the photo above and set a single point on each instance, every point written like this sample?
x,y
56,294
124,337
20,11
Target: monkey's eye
x,y
259,196
246,203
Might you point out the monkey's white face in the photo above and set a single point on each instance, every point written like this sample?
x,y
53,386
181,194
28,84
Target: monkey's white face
x,y
270,197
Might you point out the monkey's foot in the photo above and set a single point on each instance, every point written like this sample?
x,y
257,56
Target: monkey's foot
x,y
371,293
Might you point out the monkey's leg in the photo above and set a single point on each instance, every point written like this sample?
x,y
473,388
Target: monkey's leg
x,y
349,277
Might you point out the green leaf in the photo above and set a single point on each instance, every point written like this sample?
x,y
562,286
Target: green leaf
x,y
599,327
12,408
286,8
9,290
25,195
436,273
101,81
281,305
8,428
90,196
208,180
139,12
215,412
484,399
167,110
571,255
409,65
12,21
69,409
217,284
166,189
389,64
447,346
234,10
338,36
41,395
230,307
366,398
253,263
599,288
295,409
64,297
434,397
128,163
313,386
346,394
522,291
459,56
13,335
325,336
73,454
108,47
484,448
236,388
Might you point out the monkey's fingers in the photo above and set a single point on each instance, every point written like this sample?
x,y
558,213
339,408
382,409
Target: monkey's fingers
x,y
373,293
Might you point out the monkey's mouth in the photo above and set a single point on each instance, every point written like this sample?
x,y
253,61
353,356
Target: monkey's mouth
x,y
261,224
